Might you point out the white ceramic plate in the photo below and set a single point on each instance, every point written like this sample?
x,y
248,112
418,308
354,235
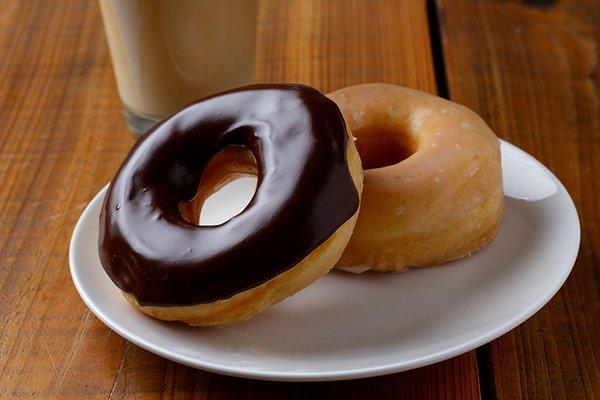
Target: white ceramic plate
x,y
351,326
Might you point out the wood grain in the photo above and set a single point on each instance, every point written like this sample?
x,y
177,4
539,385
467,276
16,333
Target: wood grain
x,y
332,44
531,70
62,137
150,376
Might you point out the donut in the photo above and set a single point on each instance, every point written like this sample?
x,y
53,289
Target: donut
x,y
432,179
294,229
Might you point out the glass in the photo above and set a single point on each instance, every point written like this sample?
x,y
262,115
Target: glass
x,y
166,54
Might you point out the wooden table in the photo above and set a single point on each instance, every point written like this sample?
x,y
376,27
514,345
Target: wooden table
x,y
530,68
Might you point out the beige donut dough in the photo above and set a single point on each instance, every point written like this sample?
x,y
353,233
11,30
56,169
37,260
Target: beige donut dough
x,y
432,180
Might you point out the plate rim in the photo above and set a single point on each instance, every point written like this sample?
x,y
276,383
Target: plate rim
x,y
340,374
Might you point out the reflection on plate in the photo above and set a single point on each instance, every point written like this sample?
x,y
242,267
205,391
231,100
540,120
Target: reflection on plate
x,y
350,326
524,177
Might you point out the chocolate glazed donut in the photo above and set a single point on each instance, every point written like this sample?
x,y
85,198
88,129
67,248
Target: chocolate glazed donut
x,y
306,191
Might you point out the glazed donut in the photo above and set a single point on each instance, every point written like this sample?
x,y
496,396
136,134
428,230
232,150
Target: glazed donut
x,y
293,231
432,180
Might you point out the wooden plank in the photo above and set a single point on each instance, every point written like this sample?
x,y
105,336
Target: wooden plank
x,y
145,375
531,70
333,44
62,137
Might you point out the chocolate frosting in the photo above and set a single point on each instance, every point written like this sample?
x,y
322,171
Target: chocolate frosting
x,y
305,193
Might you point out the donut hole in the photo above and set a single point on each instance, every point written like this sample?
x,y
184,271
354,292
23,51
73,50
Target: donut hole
x,y
380,147
228,201
226,187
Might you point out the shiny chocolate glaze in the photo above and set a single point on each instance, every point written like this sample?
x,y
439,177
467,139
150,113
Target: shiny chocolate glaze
x,y
305,193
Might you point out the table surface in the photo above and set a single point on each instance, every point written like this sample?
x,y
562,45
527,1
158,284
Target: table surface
x,y
530,68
